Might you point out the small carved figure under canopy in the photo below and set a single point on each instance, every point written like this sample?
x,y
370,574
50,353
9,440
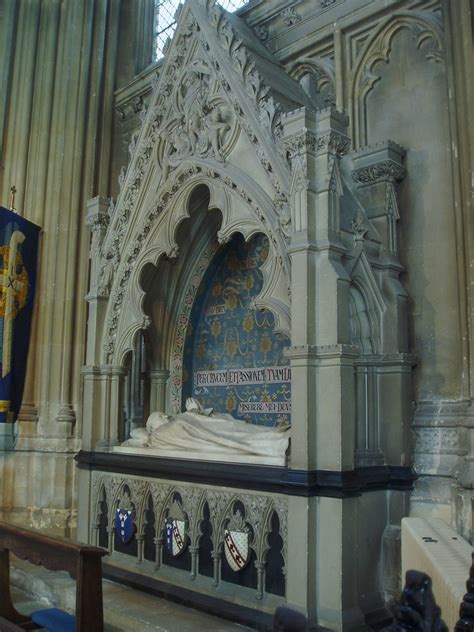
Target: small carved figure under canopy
x,y
203,434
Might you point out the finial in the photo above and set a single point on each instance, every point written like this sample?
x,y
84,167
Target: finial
x,y
12,198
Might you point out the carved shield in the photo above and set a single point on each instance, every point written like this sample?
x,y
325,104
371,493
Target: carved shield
x,y
124,525
176,538
237,552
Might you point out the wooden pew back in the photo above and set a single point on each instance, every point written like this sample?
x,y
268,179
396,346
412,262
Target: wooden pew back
x,y
81,561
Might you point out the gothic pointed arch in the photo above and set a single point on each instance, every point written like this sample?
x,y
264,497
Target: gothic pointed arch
x,y
213,104
316,76
427,32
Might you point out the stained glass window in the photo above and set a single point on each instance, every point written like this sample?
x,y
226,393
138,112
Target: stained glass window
x,y
165,23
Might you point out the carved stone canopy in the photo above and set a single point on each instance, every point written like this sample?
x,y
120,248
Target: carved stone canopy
x,y
215,117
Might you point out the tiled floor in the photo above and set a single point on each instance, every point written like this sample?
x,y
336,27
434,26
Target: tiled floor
x,y
125,609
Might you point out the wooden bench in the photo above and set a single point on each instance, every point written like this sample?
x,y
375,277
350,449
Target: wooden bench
x,y
81,561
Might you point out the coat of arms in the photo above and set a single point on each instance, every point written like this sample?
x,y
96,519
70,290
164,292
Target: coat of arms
x,y
175,530
236,542
18,253
124,526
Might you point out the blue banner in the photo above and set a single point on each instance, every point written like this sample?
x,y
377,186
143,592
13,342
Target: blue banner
x,y
18,260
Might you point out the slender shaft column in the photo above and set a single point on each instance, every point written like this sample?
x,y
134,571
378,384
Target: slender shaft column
x,y
217,559
15,150
35,182
194,550
158,552
159,381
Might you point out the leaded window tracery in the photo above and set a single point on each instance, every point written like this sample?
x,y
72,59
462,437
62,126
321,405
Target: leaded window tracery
x,y
164,22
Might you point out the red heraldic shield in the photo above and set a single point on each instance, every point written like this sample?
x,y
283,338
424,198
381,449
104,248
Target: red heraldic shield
x,y
237,552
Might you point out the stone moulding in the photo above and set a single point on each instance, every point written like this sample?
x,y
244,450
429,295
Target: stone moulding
x,y
282,480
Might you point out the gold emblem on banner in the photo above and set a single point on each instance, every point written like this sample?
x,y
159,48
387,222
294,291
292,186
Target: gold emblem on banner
x,y
13,292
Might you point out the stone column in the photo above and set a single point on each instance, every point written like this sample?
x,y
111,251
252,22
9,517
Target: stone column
x,y
459,38
56,105
322,364
320,355
136,386
159,381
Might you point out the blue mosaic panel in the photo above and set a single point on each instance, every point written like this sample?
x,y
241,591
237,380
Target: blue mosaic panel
x,y
233,360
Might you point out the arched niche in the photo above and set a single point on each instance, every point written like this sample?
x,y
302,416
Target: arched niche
x,y
155,284
168,286
172,291
233,359
137,384
364,327
157,242
360,325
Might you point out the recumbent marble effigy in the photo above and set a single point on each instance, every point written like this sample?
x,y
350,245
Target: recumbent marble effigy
x,y
202,433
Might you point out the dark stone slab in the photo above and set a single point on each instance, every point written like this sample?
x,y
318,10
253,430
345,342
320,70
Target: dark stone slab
x,y
263,478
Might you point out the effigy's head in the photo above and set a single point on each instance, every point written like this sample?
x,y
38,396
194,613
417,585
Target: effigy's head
x,y
155,420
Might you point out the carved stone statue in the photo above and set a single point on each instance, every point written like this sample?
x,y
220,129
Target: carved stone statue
x,y
466,610
417,610
202,434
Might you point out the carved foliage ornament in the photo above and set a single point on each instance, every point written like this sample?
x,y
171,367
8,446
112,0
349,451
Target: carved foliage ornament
x,y
290,16
360,225
387,171
252,82
201,123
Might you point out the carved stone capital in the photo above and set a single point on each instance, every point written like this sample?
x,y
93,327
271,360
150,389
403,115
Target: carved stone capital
x,y
98,216
382,162
333,142
300,143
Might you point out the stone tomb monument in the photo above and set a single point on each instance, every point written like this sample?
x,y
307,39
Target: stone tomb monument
x,y
251,264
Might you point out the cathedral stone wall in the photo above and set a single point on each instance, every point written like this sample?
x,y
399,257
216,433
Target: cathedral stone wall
x,y
57,77
399,73
76,89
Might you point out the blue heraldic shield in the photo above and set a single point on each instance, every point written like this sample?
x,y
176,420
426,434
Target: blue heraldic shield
x,y
124,527
18,260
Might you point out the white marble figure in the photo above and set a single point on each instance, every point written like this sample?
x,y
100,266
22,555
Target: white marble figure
x,y
202,434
